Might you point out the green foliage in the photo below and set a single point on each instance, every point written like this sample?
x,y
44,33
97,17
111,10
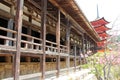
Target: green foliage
x,y
116,71
85,66
101,70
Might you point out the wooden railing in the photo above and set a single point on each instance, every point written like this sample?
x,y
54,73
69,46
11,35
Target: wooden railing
x,y
63,49
6,40
11,40
29,43
51,46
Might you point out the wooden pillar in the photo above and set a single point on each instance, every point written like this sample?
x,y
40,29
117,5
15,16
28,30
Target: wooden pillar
x,y
83,46
29,31
68,28
58,43
43,34
18,25
79,56
89,43
10,26
75,51
86,44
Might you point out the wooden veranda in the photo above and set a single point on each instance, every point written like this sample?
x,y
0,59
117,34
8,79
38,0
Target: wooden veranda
x,y
43,36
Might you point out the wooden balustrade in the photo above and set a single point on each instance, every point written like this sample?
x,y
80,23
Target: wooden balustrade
x,y
63,49
30,44
51,46
26,44
7,40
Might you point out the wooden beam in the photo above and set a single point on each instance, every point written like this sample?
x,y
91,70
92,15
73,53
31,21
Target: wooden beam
x,y
12,10
43,25
4,14
18,25
58,43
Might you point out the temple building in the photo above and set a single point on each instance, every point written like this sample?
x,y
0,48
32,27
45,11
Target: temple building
x,y
42,37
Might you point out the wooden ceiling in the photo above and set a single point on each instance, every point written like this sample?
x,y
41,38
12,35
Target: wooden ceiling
x,y
69,7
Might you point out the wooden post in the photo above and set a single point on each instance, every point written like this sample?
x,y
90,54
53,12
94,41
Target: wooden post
x,y
58,43
18,25
9,34
29,33
83,45
80,62
68,28
43,34
75,57
10,26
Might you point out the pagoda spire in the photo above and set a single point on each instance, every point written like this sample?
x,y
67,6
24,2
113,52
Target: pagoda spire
x,y
97,12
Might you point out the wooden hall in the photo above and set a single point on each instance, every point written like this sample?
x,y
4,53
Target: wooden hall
x,y
43,37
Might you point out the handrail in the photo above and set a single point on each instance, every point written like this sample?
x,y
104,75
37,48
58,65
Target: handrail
x,y
8,30
31,36
30,43
63,46
51,42
7,38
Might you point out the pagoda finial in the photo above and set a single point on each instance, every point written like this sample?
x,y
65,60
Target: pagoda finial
x,y
97,12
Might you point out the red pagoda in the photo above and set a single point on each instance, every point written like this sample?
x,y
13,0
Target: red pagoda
x,y
100,27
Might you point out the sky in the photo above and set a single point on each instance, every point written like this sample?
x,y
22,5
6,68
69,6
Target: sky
x,y
109,9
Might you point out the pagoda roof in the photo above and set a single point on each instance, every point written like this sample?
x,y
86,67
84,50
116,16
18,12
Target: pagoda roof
x,y
101,28
99,22
103,34
101,43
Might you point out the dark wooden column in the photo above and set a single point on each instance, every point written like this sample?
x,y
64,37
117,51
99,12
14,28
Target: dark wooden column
x,y
83,46
29,30
18,25
80,62
95,47
43,34
85,41
10,26
58,43
75,50
68,28
89,43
